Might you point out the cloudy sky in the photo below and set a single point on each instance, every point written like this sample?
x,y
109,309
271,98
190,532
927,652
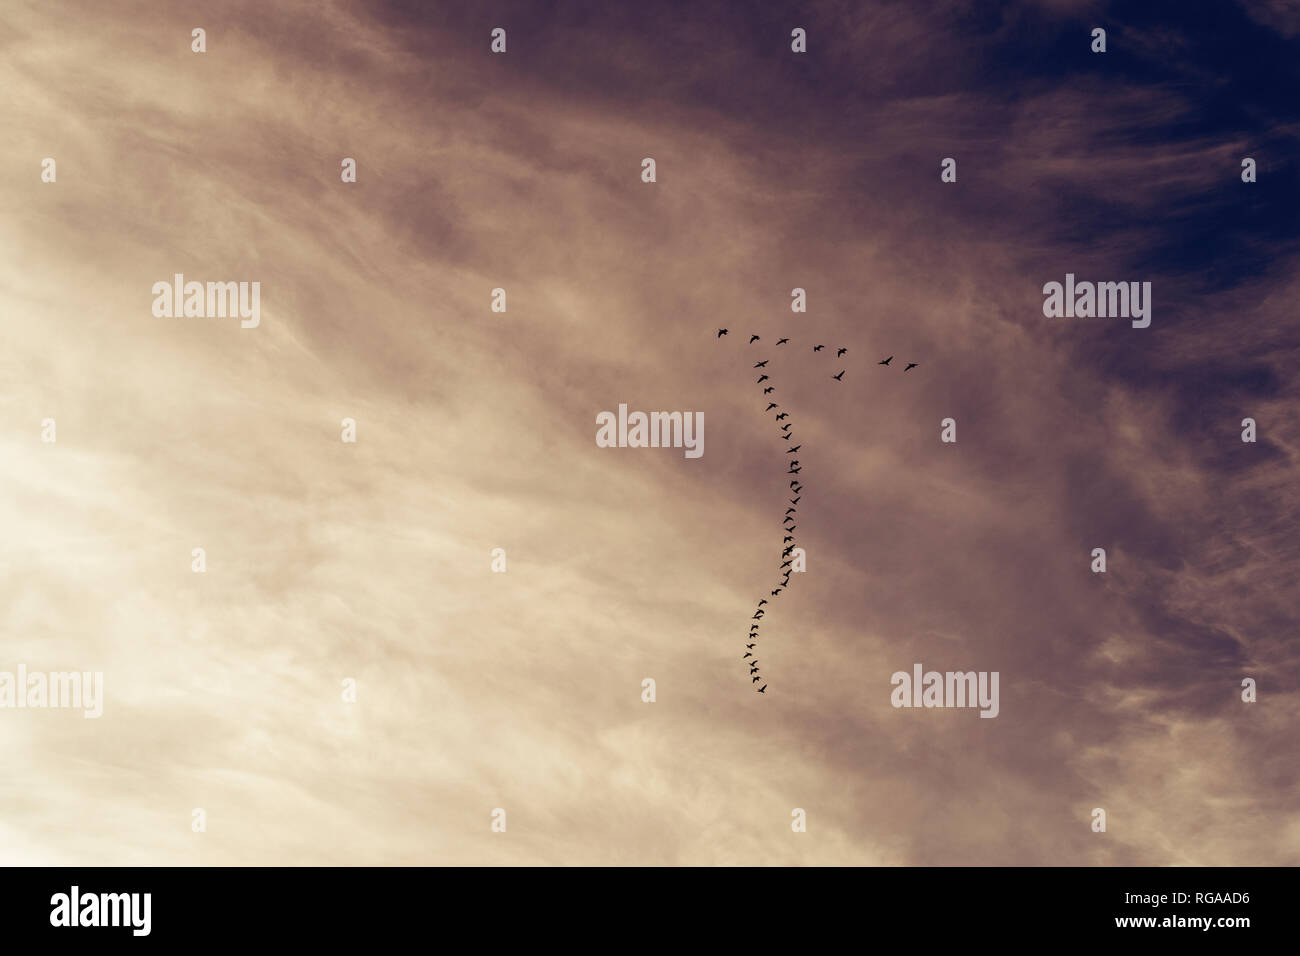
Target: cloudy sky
x,y
329,561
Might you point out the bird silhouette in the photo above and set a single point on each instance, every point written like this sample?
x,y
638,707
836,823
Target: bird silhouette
x,y
818,348
790,510
785,564
753,339
756,680
910,366
794,501
753,670
761,380
751,646
794,471
791,451
721,332
762,363
783,415
791,528
763,688
840,352
788,538
777,591
886,361
771,406
839,377
794,461
747,654
769,390
762,602
793,483
782,341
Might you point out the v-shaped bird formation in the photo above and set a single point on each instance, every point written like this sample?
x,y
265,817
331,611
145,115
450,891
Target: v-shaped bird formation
x,y
796,488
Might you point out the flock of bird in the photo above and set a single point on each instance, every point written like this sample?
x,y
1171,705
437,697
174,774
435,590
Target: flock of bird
x,y
788,525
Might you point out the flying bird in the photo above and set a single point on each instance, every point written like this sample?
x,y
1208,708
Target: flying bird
x,y
753,339
747,654
751,646
754,670
818,348
790,510
794,471
791,451
761,380
840,352
763,688
771,406
777,591
721,332
762,602
782,341
762,363
782,415
839,377
756,680
886,361
788,538
794,501
910,366
769,390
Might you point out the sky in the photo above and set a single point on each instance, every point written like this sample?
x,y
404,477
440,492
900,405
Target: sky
x,y
371,561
